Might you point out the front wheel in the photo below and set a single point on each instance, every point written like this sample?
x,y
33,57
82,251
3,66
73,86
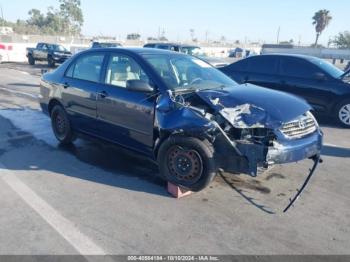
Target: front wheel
x,y
187,162
61,125
343,113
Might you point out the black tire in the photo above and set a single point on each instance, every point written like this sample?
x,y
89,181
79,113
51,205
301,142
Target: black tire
x,y
196,158
50,61
61,126
342,113
31,60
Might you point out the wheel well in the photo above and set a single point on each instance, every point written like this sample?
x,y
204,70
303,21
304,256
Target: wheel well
x,y
335,106
53,103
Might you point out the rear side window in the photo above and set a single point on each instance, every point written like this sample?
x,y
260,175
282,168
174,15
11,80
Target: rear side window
x,y
297,68
240,66
87,67
264,65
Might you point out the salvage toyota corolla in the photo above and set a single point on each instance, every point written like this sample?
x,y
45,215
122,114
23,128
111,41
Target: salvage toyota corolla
x,y
180,111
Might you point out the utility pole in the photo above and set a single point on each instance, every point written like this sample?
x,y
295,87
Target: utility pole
x,y
278,35
2,16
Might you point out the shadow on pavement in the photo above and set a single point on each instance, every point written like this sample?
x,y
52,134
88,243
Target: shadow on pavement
x,y
23,84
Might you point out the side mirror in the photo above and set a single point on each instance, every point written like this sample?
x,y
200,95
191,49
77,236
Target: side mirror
x,y
138,86
320,76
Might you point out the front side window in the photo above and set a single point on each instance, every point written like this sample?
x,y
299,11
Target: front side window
x,y
87,67
122,68
297,68
181,72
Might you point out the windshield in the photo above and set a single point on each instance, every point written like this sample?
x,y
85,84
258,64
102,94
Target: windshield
x,y
58,48
182,72
328,67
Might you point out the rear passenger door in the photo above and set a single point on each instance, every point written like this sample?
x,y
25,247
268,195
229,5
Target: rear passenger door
x,y
79,91
125,117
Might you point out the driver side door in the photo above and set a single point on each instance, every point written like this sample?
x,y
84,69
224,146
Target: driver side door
x,y
125,117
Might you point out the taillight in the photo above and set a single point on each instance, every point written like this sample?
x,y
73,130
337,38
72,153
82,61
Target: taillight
x,y
3,47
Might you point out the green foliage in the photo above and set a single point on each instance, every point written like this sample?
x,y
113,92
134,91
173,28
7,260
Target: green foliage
x,y
321,20
66,20
342,40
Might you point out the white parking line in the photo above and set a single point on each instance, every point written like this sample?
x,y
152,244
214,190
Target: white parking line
x,y
83,244
332,145
24,73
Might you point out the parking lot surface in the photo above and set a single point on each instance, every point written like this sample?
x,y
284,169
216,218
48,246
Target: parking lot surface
x,y
94,198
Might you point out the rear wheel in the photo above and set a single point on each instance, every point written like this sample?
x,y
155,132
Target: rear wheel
x,y
31,60
187,162
61,125
343,113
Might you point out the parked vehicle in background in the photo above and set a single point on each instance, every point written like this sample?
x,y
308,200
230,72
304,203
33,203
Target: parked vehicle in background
x,y
105,45
320,83
347,67
52,53
178,110
189,50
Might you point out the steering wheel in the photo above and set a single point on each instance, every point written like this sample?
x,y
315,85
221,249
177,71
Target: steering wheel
x,y
197,79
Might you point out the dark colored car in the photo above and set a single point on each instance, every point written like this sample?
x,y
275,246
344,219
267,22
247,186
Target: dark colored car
x,y
178,110
325,87
189,50
52,53
105,45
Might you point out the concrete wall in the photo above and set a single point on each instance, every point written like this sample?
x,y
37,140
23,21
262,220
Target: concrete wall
x,y
325,53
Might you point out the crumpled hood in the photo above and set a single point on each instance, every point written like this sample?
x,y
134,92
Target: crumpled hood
x,y
252,106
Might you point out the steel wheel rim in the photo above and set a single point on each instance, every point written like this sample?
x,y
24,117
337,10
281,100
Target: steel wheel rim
x,y
185,164
344,114
60,125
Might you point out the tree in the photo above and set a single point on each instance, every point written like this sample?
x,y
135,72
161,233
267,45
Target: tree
x,y
342,40
72,16
321,20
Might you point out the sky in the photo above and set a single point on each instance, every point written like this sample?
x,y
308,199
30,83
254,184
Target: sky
x,y
244,20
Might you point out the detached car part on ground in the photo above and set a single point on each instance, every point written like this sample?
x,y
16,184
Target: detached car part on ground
x,y
199,120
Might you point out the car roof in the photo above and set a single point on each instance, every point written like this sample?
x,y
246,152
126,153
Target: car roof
x,y
171,44
306,57
135,50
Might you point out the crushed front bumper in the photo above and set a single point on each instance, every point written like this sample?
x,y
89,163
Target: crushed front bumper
x,y
293,150
245,157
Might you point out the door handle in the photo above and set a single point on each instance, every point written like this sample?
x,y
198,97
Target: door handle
x,y
283,82
65,85
103,94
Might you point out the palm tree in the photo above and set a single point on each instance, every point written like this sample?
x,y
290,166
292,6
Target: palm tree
x,y
321,19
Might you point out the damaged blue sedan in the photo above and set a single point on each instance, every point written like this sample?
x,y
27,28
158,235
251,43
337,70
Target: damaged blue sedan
x,y
180,111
